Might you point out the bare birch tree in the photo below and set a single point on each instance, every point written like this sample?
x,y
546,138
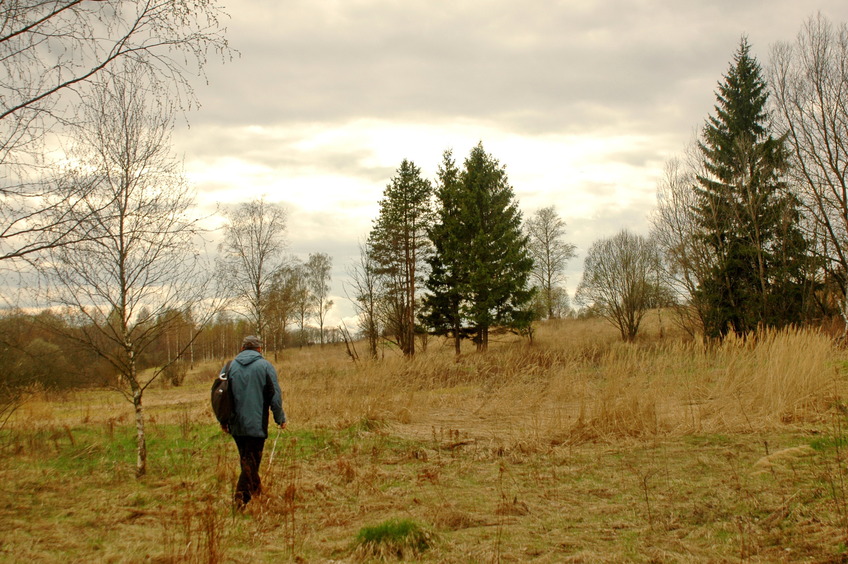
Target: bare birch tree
x,y
250,254
364,284
50,52
686,259
808,79
280,306
128,283
318,269
304,304
551,253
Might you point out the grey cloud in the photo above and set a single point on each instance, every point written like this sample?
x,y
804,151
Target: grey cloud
x,y
640,155
532,67
278,154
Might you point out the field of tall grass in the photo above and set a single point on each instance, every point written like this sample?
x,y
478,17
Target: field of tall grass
x,y
573,448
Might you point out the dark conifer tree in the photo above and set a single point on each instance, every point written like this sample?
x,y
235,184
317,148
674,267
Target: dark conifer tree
x,y
399,246
448,265
481,267
747,216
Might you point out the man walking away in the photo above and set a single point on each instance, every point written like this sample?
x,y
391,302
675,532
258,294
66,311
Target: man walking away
x,y
255,389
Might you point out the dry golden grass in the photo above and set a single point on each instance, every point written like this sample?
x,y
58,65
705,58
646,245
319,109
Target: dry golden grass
x,y
575,448
577,382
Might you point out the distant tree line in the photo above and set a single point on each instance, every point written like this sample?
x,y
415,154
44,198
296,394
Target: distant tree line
x,y
43,349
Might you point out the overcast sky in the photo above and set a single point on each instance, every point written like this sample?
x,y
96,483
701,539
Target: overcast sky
x,y
583,101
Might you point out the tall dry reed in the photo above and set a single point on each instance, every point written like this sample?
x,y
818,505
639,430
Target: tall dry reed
x,y
578,382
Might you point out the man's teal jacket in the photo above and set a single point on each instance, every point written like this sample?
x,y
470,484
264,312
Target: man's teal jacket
x,y
253,381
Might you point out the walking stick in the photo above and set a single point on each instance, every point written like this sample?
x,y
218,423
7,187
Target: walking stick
x,y
274,448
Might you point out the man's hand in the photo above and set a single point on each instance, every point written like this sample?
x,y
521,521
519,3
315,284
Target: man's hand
x,y
283,425
226,429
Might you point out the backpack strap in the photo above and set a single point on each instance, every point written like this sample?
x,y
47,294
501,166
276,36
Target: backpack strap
x,y
225,374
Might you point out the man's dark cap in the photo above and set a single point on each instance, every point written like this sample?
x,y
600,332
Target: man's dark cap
x,y
251,342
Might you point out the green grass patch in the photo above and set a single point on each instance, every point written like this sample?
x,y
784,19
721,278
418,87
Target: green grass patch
x,y
828,443
399,538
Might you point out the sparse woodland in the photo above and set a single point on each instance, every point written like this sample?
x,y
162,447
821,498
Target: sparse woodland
x,y
692,409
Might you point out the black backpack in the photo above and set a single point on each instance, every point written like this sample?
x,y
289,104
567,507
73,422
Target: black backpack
x,y
222,397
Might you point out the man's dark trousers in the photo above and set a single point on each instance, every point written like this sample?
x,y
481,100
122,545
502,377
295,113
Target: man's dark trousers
x,y
250,455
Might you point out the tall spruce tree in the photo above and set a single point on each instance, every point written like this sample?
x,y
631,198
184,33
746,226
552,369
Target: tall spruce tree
x,y
448,267
481,267
744,211
399,246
